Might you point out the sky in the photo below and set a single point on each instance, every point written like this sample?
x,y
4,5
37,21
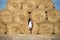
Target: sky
x,y
57,4
3,4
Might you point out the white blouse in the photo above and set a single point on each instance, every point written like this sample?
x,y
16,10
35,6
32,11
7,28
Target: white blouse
x,y
30,24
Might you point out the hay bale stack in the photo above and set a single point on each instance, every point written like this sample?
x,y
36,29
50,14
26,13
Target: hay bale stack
x,y
57,28
26,29
13,5
35,29
45,28
38,16
44,5
3,28
42,13
14,28
53,16
6,17
21,17
29,5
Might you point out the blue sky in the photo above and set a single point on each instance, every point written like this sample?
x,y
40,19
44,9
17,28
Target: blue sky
x,y
57,4
3,4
